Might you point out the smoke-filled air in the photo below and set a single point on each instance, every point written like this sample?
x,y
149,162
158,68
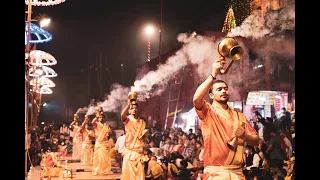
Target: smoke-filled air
x,y
196,50
255,26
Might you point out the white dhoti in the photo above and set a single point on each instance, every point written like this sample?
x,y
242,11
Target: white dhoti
x,y
76,150
101,159
87,154
231,172
133,165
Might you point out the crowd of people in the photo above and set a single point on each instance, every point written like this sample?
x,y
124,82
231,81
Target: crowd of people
x,y
227,146
179,155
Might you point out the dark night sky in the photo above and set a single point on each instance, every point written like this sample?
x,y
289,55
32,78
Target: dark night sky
x,y
82,27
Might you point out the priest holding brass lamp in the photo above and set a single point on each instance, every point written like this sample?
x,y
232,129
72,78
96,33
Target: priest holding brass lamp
x,y
225,131
133,153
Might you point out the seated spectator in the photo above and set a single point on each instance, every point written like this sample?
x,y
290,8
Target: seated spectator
x,y
276,170
184,172
253,163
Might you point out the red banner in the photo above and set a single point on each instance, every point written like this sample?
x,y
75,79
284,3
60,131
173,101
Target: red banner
x,y
277,105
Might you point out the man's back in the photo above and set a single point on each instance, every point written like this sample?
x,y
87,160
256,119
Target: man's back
x,y
276,148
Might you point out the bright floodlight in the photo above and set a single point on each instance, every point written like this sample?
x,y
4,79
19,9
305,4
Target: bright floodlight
x,y
44,104
45,22
149,30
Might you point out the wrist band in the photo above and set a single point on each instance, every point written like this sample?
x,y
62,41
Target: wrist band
x,y
213,77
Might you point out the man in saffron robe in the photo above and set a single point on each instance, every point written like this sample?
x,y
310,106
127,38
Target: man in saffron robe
x,y
101,157
133,153
87,146
77,138
224,130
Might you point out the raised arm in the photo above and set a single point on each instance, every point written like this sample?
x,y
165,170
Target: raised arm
x,y
83,124
94,120
124,111
204,87
71,125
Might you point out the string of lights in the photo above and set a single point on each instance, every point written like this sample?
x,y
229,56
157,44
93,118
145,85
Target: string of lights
x,y
149,47
229,21
37,58
238,11
45,2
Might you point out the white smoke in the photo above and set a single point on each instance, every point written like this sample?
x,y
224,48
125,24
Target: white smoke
x,y
116,99
82,110
200,51
154,82
255,26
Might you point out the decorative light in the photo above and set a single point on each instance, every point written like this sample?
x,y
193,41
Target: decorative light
x,y
44,90
42,81
41,58
38,71
149,46
48,72
241,9
44,2
41,34
229,21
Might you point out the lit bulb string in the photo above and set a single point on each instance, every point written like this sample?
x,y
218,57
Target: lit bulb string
x,y
149,47
45,3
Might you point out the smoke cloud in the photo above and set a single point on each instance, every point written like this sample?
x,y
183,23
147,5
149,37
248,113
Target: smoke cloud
x,y
82,110
116,99
256,26
199,51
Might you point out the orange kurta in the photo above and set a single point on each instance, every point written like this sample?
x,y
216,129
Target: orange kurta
x,y
133,155
101,157
77,142
217,127
87,148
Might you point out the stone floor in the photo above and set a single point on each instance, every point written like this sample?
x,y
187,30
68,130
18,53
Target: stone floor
x,y
79,172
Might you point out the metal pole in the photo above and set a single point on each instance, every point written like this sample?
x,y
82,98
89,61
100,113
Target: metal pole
x,y
160,34
159,110
27,84
89,64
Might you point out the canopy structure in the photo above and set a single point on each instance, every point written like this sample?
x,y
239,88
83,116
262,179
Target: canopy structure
x,y
47,71
41,58
43,81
